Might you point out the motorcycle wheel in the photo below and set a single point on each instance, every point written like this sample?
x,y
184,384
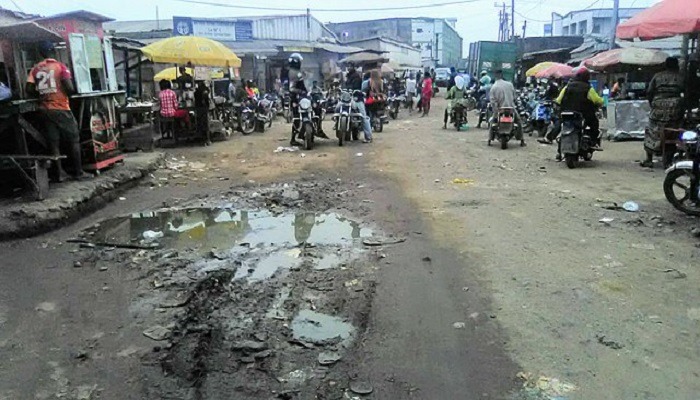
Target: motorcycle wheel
x,y
342,130
392,114
588,156
270,117
679,181
541,131
308,132
528,128
571,160
504,143
288,116
248,124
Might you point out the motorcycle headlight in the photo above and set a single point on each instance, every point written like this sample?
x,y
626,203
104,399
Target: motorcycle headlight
x,y
305,104
689,136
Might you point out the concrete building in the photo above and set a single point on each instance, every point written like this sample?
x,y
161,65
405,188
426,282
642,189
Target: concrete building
x,y
397,52
263,43
597,21
437,39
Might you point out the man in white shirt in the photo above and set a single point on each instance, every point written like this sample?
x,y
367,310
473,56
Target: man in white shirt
x,y
503,95
411,87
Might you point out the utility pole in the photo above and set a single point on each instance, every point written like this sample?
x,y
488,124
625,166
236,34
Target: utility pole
x,y
512,21
615,21
308,25
524,28
157,19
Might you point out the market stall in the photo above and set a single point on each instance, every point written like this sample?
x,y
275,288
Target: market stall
x,y
190,51
88,53
24,159
627,119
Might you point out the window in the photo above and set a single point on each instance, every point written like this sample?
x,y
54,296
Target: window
x,y
419,30
572,29
583,27
566,31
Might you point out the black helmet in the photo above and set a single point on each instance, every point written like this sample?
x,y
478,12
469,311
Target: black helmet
x,y
583,74
295,60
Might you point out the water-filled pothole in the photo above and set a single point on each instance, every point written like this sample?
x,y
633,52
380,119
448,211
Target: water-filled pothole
x,y
263,242
313,327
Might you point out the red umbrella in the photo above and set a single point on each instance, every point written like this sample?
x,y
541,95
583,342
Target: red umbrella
x,y
665,19
556,71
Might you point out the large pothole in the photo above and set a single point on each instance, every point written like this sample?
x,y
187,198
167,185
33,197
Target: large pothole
x,y
248,304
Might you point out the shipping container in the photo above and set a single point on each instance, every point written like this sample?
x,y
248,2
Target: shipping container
x,y
491,56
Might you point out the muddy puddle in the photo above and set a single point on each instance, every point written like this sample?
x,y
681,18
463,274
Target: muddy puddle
x,y
264,243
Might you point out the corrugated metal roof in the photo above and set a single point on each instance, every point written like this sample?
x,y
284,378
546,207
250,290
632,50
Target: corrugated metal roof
x,y
81,14
139,26
28,31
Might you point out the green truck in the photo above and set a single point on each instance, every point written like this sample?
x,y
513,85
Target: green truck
x,y
491,56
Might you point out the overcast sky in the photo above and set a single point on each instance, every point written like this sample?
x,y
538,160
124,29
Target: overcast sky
x,y
476,21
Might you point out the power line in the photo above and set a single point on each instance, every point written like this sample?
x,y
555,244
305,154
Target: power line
x,y
258,8
17,6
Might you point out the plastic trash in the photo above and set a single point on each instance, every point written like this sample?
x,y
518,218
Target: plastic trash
x,y
631,206
462,181
152,235
286,149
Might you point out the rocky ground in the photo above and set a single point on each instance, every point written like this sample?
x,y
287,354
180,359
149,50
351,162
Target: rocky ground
x,y
425,265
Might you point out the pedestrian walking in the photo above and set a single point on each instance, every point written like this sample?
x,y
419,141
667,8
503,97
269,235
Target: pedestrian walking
x,y
426,93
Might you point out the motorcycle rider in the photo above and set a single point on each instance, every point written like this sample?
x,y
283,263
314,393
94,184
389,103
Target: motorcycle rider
x,y
353,80
240,96
503,95
457,94
297,90
552,94
580,97
484,93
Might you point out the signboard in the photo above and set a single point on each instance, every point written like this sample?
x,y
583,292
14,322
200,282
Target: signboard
x,y
223,30
547,29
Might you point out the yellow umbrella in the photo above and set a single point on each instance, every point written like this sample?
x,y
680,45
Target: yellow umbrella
x,y
170,74
538,68
191,49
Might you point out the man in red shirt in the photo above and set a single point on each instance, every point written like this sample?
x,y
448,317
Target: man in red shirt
x,y
50,80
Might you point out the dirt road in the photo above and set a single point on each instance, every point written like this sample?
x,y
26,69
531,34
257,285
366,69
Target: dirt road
x,y
503,283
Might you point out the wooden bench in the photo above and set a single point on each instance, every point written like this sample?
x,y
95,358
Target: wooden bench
x,y
35,170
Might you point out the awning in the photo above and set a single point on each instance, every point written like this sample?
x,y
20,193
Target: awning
x,y
364,58
28,32
335,48
665,19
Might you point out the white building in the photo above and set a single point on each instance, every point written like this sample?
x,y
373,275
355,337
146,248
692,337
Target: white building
x,y
400,53
589,22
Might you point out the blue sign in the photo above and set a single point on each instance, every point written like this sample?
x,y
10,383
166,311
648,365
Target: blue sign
x,y
223,30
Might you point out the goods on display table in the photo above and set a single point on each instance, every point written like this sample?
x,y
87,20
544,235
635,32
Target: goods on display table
x,y
627,119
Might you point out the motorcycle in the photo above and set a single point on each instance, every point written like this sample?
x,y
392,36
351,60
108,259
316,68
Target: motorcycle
x,y
504,128
682,182
377,118
263,113
277,106
576,140
306,123
286,107
542,117
247,118
459,114
485,113
393,104
348,121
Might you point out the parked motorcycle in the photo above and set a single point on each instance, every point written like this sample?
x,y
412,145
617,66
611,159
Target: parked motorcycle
x,y
348,121
504,128
682,183
576,140
286,107
306,123
247,118
263,113
542,117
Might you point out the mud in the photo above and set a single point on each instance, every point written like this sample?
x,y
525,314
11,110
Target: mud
x,y
255,296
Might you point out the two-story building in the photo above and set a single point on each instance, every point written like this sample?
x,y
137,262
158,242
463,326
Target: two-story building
x,y
436,38
595,21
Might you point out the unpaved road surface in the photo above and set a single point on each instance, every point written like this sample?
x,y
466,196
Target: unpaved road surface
x,y
423,266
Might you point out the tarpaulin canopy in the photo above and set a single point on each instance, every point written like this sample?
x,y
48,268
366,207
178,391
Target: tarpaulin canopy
x,y
539,67
191,49
618,60
556,71
364,58
665,19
